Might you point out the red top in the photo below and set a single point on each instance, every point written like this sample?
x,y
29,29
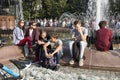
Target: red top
x,y
103,39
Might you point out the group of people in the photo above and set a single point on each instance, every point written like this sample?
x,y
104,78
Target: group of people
x,y
42,41
50,46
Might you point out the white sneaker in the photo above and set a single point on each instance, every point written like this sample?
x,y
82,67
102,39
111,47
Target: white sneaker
x,y
28,65
81,62
71,62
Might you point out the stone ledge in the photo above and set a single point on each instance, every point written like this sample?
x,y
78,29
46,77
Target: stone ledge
x,y
10,52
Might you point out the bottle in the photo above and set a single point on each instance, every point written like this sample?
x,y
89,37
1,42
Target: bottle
x,y
9,71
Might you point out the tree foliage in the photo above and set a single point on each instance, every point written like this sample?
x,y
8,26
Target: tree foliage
x,y
115,7
55,8
31,8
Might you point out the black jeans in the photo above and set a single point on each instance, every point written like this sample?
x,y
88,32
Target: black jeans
x,y
76,51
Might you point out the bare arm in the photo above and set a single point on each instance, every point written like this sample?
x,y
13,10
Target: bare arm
x,y
40,42
57,49
45,49
83,37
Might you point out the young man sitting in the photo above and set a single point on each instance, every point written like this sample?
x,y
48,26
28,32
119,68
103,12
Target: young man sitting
x,y
103,37
57,52
79,35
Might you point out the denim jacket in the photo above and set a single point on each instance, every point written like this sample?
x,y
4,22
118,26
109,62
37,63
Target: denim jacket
x,y
17,35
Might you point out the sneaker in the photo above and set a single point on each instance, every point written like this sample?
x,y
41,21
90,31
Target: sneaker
x,y
81,62
27,65
57,67
71,62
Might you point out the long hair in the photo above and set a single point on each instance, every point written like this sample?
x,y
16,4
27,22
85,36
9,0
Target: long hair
x,y
23,27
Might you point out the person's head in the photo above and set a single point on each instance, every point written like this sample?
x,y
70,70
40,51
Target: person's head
x,y
77,24
43,33
54,37
32,25
102,24
21,23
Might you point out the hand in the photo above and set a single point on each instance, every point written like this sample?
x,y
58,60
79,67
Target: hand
x,y
80,30
74,38
47,55
51,55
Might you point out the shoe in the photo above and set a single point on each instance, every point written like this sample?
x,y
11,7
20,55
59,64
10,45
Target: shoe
x,y
81,62
57,67
27,65
71,62
31,51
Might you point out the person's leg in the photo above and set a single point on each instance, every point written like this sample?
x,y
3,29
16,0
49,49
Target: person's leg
x,y
76,51
71,52
83,45
71,48
111,46
36,57
57,57
44,60
23,42
41,55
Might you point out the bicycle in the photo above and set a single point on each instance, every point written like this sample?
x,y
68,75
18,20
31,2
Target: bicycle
x,y
8,74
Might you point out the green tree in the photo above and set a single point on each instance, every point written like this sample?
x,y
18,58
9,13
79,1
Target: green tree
x,y
31,8
77,5
115,7
54,8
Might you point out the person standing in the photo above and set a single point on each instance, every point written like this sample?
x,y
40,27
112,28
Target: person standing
x,y
103,37
117,26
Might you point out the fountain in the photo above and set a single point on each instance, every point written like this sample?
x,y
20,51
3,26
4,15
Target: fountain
x,y
98,10
68,16
102,11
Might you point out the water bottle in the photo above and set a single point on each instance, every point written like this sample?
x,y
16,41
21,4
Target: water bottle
x,y
9,71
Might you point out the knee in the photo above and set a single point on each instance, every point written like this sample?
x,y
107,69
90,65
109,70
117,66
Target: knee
x,y
71,42
83,43
28,38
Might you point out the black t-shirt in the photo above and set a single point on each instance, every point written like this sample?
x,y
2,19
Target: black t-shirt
x,y
46,39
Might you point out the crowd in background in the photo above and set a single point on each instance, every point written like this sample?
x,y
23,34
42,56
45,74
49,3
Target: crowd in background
x,y
67,23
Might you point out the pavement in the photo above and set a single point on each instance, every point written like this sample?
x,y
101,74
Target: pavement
x,y
109,60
